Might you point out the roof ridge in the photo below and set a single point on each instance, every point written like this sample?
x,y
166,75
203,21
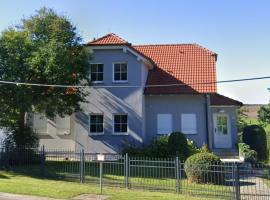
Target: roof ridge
x,y
176,44
108,35
168,44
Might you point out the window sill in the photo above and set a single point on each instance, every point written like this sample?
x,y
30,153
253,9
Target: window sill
x,y
189,133
97,82
95,134
120,133
120,82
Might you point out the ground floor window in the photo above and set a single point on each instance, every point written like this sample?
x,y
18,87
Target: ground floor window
x,y
164,123
120,123
96,124
189,123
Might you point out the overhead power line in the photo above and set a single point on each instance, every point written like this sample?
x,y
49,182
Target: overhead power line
x,y
132,86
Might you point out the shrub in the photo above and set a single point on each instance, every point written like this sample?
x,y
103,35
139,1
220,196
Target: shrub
x,y
192,147
204,168
204,149
255,137
248,154
158,148
178,145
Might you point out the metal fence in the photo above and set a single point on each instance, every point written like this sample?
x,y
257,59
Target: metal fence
x,y
223,181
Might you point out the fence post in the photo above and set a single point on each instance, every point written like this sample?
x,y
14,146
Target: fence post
x,y
126,170
82,165
42,161
100,176
177,175
7,164
236,181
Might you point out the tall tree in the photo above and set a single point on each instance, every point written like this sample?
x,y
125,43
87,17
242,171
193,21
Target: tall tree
x,y
44,49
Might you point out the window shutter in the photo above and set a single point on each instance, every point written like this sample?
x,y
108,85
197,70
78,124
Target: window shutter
x,y
62,125
40,124
164,123
189,123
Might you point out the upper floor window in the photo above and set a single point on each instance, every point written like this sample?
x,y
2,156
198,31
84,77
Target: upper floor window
x,y
96,71
120,72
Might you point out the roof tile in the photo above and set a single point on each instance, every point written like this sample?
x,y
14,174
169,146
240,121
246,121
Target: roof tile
x,y
187,64
108,39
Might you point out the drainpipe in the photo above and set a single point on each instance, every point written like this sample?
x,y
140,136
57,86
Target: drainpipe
x,y
208,121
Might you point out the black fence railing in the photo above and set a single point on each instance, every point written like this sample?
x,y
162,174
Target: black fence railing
x,y
223,181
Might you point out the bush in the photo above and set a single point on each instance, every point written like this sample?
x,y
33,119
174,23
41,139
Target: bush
x,y
255,137
204,168
178,145
158,148
164,146
248,154
21,138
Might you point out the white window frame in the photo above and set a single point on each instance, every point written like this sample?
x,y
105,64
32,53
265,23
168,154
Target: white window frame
x,y
89,122
195,130
171,125
119,81
120,133
91,73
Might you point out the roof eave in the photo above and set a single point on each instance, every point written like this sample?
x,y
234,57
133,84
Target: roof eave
x,y
140,57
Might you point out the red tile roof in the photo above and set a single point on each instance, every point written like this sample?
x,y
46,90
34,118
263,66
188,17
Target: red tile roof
x,y
220,100
109,39
186,64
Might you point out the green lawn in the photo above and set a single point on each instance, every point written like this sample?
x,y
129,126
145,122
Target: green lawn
x,y
20,184
69,171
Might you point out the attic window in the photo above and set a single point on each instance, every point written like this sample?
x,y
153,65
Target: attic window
x,y
120,72
96,72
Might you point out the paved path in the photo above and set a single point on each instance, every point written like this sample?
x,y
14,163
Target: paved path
x,y
7,196
254,188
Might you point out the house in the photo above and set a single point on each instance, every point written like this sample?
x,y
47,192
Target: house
x,y
140,92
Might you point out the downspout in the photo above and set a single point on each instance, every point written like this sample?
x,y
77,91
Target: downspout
x,y
208,121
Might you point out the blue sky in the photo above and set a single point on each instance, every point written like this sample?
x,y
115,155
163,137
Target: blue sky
x,y
238,31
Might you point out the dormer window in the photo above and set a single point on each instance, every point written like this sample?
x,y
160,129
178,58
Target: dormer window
x,y
120,72
96,71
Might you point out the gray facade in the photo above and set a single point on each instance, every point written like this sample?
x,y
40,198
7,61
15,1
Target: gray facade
x,y
176,105
109,98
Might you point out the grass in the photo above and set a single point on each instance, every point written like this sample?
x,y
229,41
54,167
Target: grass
x,y
65,176
21,184
148,179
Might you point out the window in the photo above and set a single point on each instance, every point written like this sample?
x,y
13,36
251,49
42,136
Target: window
x,y
96,124
164,123
96,72
222,125
62,125
120,72
189,123
40,123
120,124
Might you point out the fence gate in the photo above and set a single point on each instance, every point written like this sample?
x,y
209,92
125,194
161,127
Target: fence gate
x,y
254,182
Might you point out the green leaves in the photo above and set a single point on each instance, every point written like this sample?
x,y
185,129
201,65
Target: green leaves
x,y
264,115
44,49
